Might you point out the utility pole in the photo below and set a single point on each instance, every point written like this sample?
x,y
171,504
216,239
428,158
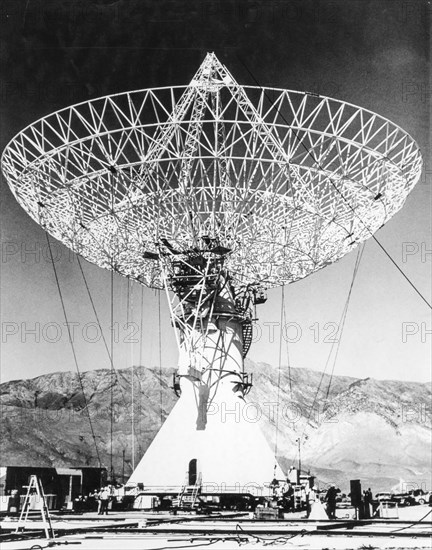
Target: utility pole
x,y
299,455
123,469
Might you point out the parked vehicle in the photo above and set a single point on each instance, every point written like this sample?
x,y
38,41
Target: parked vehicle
x,y
403,499
383,497
420,496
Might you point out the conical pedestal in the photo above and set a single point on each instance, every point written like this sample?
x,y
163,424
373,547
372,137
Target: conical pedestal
x,y
231,455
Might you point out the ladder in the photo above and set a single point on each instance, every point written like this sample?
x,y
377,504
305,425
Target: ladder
x,y
188,495
247,336
36,493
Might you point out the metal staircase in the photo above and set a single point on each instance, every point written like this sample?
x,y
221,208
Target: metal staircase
x,y
188,496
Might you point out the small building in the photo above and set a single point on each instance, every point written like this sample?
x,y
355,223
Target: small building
x,y
61,485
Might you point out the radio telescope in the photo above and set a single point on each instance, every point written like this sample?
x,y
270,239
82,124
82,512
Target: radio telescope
x,y
215,192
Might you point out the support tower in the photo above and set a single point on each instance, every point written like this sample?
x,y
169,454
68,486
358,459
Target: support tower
x,y
211,438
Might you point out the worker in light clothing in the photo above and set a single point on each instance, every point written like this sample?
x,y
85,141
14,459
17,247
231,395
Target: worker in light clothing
x,y
310,498
104,497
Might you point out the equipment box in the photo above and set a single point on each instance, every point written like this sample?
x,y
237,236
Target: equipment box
x,y
262,512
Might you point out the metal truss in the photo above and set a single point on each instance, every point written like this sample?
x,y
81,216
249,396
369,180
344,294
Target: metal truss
x,y
192,304
203,296
288,181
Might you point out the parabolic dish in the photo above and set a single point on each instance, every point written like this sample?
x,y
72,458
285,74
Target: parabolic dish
x,y
288,181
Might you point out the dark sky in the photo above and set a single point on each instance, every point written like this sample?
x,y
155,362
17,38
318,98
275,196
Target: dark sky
x,y
58,52
371,53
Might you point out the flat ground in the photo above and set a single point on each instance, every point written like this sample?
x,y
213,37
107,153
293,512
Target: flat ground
x,y
149,531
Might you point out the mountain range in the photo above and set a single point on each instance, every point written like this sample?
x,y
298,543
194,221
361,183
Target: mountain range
x,y
378,431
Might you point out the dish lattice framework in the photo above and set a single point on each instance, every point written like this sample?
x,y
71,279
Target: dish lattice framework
x,y
288,181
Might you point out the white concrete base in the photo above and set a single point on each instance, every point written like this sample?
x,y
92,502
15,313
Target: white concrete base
x,y
232,453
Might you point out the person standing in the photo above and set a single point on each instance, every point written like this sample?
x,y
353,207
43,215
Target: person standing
x,y
368,504
310,498
331,502
104,499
